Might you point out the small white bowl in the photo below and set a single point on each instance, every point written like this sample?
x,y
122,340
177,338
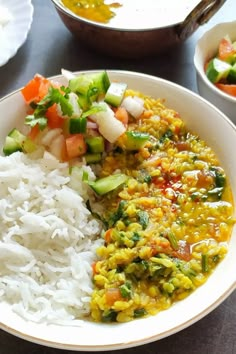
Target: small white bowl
x,y
206,49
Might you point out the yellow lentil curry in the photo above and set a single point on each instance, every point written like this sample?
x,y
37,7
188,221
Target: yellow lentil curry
x,y
167,228
94,10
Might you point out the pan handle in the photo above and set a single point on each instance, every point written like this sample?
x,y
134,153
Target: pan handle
x,y
197,17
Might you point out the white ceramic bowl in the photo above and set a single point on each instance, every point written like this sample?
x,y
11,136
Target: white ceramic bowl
x,y
206,49
201,117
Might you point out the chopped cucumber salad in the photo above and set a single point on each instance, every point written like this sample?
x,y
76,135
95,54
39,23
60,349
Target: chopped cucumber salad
x,y
79,122
221,70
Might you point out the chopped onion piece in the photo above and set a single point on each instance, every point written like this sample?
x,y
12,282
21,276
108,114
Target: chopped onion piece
x,y
92,125
109,127
57,146
134,105
67,74
73,99
50,135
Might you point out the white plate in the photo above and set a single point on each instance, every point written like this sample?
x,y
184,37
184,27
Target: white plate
x,y
16,30
101,337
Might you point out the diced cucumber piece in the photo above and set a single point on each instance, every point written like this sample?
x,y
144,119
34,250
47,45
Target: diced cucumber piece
x,y
93,158
231,78
108,184
16,141
29,146
81,84
93,110
101,81
217,70
136,140
11,146
95,144
133,140
77,125
84,101
17,136
115,93
89,86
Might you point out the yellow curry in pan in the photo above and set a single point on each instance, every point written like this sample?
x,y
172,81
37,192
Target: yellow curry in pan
x,y
94,10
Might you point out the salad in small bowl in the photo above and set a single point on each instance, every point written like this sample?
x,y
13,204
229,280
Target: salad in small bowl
x,y
214,60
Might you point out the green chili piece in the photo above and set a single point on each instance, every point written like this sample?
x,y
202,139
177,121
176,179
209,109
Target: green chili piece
x,y
143,219
109,316
140,313
205,263
136,237
125,290
173,240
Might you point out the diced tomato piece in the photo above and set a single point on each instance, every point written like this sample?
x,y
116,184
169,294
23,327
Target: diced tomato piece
x,y
226,50
147,113
107,236
43,89
75,145
112,295
54,120
184,251
34,132
31,90
64,155
94,268
35,89
122,115
230,89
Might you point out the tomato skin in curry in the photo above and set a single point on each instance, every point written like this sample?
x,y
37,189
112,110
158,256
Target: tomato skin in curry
x,y
94,10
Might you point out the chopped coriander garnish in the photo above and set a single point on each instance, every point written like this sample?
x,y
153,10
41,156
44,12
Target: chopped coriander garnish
x,y
173,240
143,219
140,313
32,121
125,290
55,96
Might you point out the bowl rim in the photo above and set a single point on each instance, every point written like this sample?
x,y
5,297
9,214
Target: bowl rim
x,y
199,65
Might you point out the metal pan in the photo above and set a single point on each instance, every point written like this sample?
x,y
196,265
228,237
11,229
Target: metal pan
x,y
128,42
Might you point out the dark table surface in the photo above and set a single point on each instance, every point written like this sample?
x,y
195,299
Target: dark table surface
x,y
50,47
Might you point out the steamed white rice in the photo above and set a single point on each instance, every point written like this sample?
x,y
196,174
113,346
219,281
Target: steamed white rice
x,y
48,239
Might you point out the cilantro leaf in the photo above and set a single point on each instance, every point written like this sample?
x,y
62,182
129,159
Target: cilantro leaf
x,y
65,89
92,110
31,120
55,96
